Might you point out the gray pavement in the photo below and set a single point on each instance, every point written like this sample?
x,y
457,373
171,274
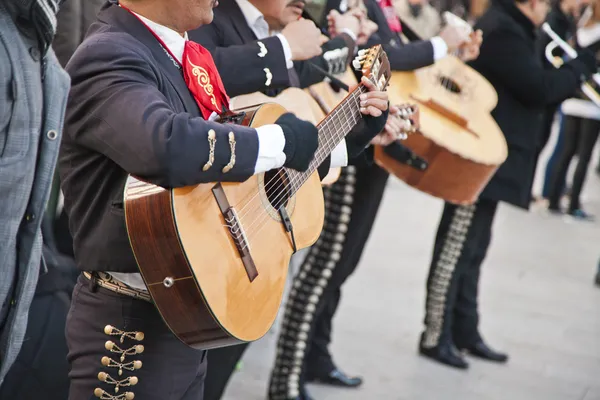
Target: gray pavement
x,y
537,302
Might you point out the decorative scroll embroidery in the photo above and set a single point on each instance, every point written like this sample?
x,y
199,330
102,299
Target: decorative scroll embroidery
x,y
204,81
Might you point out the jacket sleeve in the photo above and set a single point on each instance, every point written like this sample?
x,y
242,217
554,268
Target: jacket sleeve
x,y
116,109
337,54
505,58
413,55
248,68
407,57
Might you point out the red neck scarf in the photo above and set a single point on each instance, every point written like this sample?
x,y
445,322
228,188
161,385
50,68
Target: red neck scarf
x,y
200,75
390,14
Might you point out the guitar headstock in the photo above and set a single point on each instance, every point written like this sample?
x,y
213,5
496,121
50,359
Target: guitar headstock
x,y
374,64
409,114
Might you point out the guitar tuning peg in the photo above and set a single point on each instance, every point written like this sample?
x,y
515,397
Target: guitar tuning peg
x,y
362,53
357,64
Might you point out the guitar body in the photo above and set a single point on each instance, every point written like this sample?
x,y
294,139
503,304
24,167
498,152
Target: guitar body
x,y
202,287
458,138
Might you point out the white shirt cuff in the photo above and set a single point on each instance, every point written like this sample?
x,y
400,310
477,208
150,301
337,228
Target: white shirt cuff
x,y
339,155
440,48
350,33
271,142
287,51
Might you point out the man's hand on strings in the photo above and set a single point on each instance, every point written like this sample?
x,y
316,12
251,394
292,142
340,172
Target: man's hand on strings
x,y
374,102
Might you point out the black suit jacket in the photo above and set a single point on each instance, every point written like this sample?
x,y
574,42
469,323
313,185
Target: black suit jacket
x,y
246,63
509,61
130,112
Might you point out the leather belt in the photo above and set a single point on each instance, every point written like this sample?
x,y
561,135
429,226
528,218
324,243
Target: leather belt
x,y
108,282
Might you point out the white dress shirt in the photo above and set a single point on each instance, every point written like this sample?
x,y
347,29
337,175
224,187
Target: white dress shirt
x,y
256,21
440,48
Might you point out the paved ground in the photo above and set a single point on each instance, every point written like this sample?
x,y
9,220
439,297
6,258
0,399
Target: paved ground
x,y
537,302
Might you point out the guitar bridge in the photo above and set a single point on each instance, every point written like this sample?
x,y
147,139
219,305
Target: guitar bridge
x,y
236,231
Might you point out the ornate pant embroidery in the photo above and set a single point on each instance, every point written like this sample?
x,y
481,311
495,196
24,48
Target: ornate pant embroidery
x,y
121,364
437,291
308,287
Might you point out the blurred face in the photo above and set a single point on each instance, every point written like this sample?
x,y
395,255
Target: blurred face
x,y
535,10
540,11
292,11
198,10
279,13
179,15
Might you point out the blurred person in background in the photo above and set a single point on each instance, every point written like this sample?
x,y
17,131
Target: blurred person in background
x,y
509,61
562,18
581,126
33,97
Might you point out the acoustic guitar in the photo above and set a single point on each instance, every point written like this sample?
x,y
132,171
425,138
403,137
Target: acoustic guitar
x,y
215,256
460,141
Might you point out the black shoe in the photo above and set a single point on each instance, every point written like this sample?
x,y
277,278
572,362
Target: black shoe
x,y
483,351
336,378
445,353
581,215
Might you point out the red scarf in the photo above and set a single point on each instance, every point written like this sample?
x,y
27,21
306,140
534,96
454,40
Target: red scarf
x,y
200,75
390,14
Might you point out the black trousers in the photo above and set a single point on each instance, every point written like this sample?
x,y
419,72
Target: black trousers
x,y
139,354
580,136
546,129
351,207
461,244
222,365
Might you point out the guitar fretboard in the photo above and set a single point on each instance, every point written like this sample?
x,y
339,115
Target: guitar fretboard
x,y
332,129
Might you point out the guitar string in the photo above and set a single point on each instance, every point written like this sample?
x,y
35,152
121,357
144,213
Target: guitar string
x,y
294,176
262,225
253,232
355,115
256,231
274,178
328,142
358,88
293,184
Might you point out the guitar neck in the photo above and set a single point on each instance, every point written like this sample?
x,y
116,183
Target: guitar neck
x,y
332,129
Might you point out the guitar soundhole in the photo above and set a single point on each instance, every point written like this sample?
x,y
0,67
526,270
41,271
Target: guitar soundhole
x,y
449,84
277,188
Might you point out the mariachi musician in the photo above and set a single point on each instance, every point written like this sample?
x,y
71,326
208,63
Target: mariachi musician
x,y
254,58
337,252
509,61
136,108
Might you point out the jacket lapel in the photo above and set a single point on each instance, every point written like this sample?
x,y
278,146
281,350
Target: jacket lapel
x,y
238,21
119,18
